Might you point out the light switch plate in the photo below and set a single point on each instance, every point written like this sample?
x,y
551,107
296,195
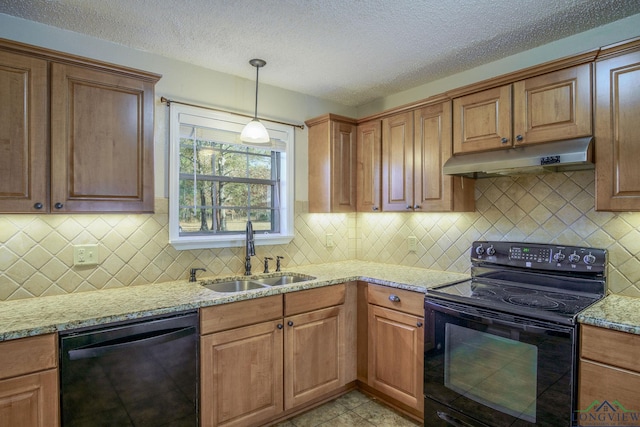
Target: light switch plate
x,y
412,242
329,240
85,255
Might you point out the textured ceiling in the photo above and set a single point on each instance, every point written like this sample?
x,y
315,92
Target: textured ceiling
x,y
348,51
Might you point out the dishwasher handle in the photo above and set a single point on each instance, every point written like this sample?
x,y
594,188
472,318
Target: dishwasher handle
x,y
139,340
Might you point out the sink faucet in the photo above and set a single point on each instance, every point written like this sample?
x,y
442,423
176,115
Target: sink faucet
x,y
249,249
192,273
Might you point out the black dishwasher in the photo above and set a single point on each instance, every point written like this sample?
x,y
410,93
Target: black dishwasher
x,y
139,373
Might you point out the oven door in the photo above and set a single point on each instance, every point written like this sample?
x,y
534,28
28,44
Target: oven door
x,y
487,368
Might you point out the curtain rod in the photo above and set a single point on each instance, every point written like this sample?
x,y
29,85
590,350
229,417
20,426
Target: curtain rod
x,y
169,101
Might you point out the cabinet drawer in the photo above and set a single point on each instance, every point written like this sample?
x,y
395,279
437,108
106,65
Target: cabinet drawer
x,y
28,355
237,314
614,348
600,382
408,302
314,299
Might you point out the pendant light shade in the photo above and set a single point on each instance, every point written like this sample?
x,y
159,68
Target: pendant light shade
x,y
254,131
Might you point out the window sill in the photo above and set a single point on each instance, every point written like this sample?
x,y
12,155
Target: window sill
x,y
233,241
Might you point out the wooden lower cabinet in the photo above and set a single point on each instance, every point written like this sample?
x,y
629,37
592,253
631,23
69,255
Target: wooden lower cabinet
x,y
609,369
314,355
29,395
301,350
241,371
396,345
30,400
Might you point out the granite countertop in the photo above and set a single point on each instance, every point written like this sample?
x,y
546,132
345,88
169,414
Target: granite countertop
x,y
615,312
37,316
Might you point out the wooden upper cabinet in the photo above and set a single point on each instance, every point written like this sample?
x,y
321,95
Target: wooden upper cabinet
x,y
24,144
101,141
397,162
415,145
332,164
617,129
369,163
550,107
553,106
76,135
433,191
482,121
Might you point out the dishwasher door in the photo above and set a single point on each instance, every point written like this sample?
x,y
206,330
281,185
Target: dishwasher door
x,y
141,373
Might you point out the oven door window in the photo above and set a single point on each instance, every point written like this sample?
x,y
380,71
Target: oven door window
x,y
495,371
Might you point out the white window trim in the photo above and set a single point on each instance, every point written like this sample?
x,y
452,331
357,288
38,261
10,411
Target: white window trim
x,y
284,133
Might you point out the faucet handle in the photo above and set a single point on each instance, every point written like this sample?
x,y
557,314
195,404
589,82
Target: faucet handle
x,y
192,273
278,258
266,264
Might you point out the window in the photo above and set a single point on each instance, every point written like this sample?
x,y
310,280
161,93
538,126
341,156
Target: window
x,y
217,182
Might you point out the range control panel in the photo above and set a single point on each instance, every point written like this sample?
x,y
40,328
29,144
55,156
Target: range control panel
x,y
540,256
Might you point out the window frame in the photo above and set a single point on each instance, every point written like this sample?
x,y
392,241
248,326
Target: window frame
x,y
282,140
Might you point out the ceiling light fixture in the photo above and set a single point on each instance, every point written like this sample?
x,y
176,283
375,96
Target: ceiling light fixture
x,y
254,131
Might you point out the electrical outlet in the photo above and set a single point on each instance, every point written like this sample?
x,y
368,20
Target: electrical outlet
x,y
412,242
85,255
329,240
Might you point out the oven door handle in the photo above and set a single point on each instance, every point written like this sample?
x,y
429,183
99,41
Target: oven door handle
x,y
459,310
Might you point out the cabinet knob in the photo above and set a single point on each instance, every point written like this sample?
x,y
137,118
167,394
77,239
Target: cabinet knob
x,y
290,323
394,298
504,140
280,326
419,324
409,207
58,205
519,138
417,207
375,208
38,206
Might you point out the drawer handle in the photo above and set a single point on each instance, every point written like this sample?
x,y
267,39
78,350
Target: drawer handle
x,y
419,324
394,298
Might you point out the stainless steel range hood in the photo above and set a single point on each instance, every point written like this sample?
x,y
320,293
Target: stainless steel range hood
x,y
560,156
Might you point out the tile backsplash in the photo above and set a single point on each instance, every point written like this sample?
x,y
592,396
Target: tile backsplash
x,y
36,251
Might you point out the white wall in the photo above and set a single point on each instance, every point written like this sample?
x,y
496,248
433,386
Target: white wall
x,y
186,82
607,34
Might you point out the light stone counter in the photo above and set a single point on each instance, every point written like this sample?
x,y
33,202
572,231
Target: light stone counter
x,y
36,316
615,312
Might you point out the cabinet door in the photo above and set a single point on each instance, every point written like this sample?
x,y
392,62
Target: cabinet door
x,y
241,375
433,191
397,162
553,106
101,141
396,345
24,144
314,355
30,400
369,151
482,121
617,133
343,170
599,382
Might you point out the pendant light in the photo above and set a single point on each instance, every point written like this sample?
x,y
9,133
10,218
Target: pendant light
x,y
254,131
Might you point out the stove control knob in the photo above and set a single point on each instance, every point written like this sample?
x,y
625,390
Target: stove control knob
x,y
480,250
491,250
589,259
574,258
558,257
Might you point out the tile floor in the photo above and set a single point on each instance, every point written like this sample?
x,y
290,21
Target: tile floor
x,y
352,409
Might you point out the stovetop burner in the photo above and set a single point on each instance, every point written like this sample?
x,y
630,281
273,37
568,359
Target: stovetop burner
x,y
536,281
536,301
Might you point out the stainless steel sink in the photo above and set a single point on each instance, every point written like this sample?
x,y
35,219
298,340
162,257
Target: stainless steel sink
x,y
240,285
234,286
285,279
